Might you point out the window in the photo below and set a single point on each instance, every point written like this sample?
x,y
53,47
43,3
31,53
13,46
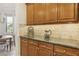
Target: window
x,y
10,23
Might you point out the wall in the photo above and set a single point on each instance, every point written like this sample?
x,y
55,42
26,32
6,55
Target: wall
x,y
2,28
21,12
6,9
59,31
20,20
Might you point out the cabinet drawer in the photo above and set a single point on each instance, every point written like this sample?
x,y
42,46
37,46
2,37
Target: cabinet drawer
x,y
46,45
66,50
45,52
73,52
24,40
60,49
33,42
59,54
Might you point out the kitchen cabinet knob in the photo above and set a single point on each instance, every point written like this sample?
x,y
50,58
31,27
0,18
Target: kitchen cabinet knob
x,y
64,50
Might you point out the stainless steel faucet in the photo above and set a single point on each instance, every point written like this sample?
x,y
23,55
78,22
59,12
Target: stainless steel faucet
x,y
30,32
47,34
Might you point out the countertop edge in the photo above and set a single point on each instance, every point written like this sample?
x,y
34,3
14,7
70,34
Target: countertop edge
x,y
51,43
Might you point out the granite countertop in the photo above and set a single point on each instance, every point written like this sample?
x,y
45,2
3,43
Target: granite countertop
x,y
65,42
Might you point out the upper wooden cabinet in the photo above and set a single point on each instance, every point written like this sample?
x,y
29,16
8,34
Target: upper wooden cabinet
x,y
30,14
66,12
39,13
45,13
49,13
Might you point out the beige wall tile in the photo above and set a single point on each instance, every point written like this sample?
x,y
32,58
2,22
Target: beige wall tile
x,y
63,31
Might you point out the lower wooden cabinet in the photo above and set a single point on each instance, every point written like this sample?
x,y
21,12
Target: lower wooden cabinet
x,y
39,48
33,50
45,49
66,51
45,52
59,54
30,47
24,47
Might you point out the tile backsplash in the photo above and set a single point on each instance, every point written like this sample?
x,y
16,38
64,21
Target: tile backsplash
x,y
61,31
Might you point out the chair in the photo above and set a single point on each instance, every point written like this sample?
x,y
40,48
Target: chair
x,y
0,36
4,43
7,40
14,40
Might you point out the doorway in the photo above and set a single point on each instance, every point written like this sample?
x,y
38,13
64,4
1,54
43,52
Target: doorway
x,y
9,24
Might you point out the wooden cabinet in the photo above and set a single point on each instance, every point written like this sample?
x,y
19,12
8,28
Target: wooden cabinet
x,y
30,47
59,54
30,14
51,13
46,45
45,13
45,49
33,48
45,52
24,47
61,50
66,12
39,13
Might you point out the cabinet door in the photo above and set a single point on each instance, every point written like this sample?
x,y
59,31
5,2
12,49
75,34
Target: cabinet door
x,y
51,13
66,12
45,52
24,47
39,13
33,50
29,14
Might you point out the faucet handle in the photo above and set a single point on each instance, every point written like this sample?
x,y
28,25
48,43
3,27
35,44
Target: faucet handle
x,y
48,32
30,27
